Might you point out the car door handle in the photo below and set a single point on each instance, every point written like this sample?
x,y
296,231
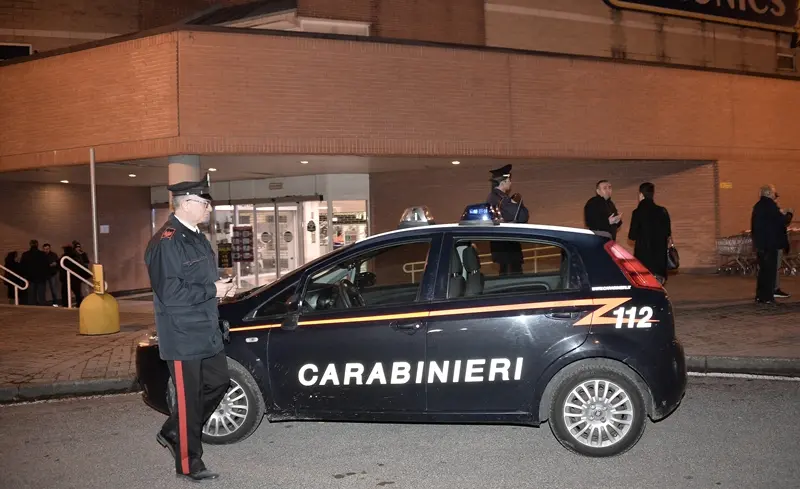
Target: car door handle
x,y
412,326
561,315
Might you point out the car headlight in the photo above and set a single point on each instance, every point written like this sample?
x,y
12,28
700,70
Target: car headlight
x,y
149,339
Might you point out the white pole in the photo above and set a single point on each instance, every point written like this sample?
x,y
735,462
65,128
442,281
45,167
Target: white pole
x,y
94,205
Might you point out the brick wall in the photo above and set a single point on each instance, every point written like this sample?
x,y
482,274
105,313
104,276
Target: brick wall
x,y
457,21
594,28
120,93
555,193
117,16
58,214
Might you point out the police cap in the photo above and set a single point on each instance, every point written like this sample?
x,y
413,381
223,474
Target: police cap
x,y
200,188
501,173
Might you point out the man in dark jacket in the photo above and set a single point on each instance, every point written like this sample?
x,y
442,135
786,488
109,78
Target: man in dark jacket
x,y
600,213
507,254
183,274
35,269
768,227
651,229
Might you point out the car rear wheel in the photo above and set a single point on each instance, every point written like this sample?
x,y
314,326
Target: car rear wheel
x,y
239,413
598,412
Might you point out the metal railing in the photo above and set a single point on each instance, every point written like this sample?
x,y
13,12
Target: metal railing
x,y
16,286
415,267
70,272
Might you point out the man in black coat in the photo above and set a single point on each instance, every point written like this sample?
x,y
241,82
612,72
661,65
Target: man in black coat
x,y
507,254
600,213
35,268
768,227
184,277
651,229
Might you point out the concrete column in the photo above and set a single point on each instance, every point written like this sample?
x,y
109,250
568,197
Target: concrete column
x,y
183,168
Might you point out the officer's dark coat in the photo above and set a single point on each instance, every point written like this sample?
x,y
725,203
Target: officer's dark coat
x,y
183,272
511,251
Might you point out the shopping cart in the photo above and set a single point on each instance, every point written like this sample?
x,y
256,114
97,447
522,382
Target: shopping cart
x,y
790,264
737,255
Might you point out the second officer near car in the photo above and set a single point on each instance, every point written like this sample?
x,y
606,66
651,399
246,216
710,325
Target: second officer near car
x,y
507,255
184,278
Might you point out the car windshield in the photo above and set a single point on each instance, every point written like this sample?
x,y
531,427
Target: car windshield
x,y
289,276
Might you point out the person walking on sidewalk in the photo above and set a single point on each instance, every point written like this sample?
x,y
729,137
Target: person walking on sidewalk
x,y
768,227
185,281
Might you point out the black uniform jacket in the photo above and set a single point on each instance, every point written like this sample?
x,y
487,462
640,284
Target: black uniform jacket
x,y
768,226
507,252
596,213
651,228
183,272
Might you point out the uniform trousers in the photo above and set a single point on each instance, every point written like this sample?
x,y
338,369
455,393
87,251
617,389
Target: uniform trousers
x,y
767,273
200,385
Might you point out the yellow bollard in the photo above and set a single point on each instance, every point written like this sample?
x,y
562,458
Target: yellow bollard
x,y
99,312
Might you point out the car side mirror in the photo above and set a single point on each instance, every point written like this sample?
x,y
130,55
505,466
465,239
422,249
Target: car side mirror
x,y
365,279
293,306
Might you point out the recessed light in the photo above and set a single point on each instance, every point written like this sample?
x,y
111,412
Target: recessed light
x,y
456,162
303,162
64,181
132,175
212,169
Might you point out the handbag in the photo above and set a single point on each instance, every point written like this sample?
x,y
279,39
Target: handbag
x,y
673,258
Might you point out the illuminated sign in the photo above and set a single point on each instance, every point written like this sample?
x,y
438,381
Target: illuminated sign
x,y
772,15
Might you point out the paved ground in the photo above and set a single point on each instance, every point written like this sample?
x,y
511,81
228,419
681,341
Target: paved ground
x,y
41,351
726,434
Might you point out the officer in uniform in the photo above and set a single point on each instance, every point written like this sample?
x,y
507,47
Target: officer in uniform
x,y
183,275
508,254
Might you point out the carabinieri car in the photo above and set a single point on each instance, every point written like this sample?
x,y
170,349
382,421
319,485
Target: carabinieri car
x,y
416,324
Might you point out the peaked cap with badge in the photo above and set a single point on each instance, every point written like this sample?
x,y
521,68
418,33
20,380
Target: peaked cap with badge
x,y
501,174
200,188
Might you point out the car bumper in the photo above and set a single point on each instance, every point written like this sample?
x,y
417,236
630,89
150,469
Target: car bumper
x,y
668,384
153,375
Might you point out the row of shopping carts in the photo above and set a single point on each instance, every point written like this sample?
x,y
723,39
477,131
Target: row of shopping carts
x,y
738,257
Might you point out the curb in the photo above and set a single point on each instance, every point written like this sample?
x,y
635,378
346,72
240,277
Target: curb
x,y
787,367
11,393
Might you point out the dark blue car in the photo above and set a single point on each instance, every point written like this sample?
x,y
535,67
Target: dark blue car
x,y
417,325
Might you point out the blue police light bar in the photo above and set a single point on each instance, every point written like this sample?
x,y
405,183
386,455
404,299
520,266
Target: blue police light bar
x,y
480,215
416,216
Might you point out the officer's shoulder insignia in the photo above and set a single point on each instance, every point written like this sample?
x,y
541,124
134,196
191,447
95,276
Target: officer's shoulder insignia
x,y
168,233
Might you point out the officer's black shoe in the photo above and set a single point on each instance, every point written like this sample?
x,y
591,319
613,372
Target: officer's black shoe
x,y
200,476
166,443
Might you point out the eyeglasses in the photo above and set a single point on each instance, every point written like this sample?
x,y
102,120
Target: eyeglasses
x,y
204,203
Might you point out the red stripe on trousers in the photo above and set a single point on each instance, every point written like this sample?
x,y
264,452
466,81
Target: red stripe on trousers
x,y
182,432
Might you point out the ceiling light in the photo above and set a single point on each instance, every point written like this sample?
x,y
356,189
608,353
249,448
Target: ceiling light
x,y
456,162
64,181
212,169
304,162
132,175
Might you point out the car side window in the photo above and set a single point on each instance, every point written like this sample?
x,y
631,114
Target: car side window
x,y
507,266
388,276
275,306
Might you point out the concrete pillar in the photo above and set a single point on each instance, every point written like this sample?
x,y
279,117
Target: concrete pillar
x,y
183,168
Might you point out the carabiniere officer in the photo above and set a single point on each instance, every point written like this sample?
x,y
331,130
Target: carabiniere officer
x,y
508,254
183,275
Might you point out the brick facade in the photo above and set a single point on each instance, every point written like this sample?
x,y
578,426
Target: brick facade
x,y
60,213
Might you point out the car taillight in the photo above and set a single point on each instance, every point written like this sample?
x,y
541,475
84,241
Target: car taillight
x,y
636,273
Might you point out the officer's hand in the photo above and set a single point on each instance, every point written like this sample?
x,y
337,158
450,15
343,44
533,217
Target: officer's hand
x,y
225,288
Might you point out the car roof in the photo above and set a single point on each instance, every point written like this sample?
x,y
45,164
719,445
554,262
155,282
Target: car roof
x,y
564,232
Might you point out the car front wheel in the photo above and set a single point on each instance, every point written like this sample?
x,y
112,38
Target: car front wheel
x,y
598,412
239,413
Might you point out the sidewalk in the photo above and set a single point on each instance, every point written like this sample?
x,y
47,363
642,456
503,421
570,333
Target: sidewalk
x,y
42,355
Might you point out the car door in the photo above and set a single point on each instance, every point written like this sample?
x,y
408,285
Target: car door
x,y
360,358
490,336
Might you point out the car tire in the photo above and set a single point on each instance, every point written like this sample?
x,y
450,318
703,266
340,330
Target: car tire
x,y
242,398
613,428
